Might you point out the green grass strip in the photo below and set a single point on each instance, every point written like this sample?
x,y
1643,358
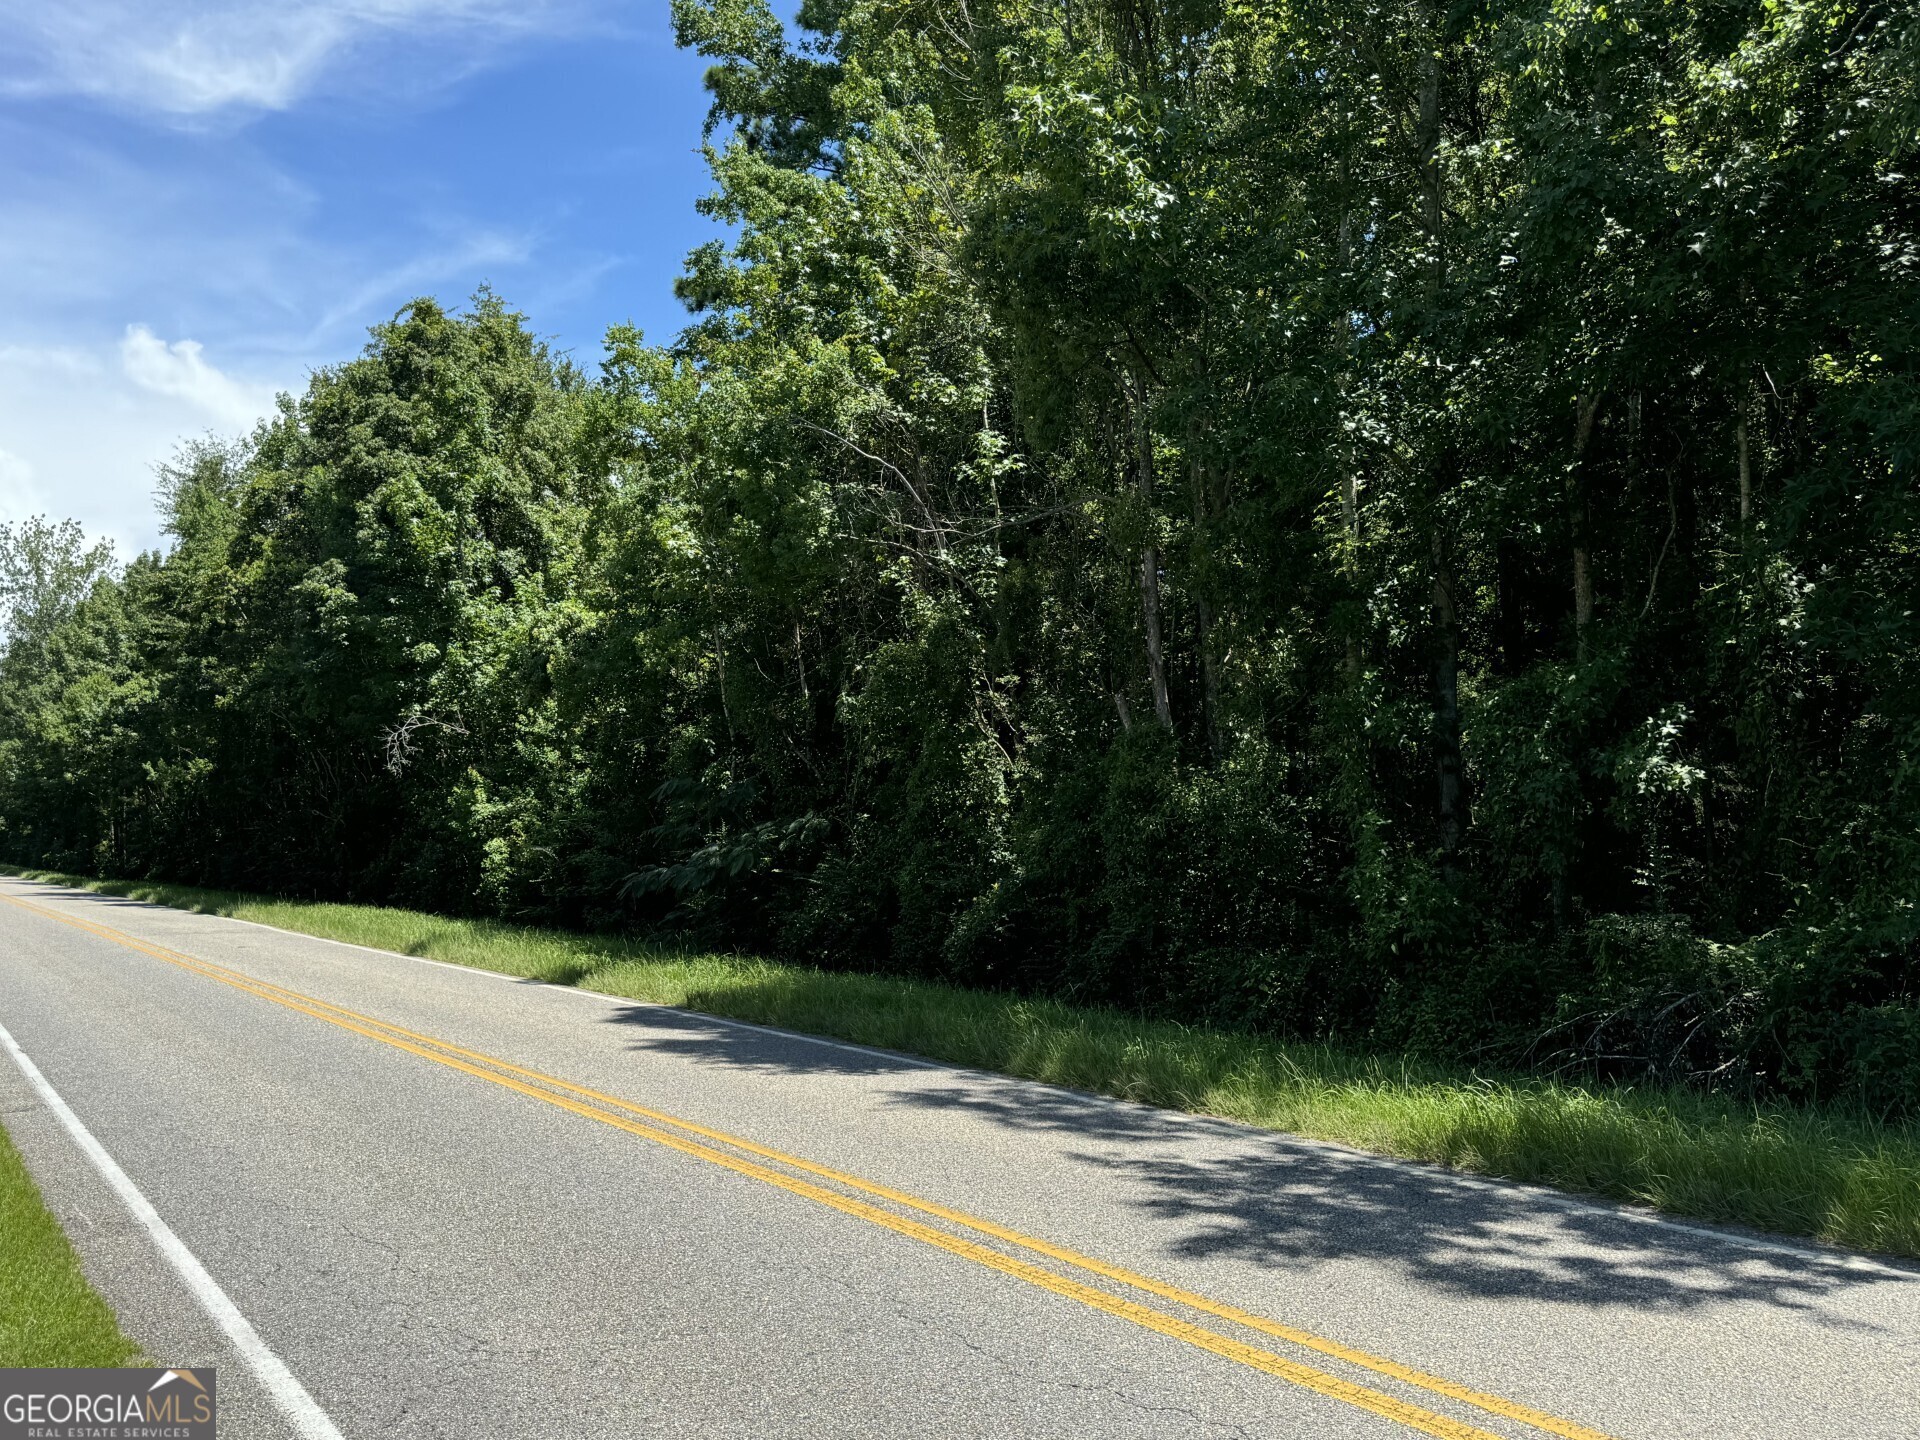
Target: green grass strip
x,y
1832,1174
49,1314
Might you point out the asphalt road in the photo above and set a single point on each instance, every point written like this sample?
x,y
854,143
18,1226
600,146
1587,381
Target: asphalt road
x,y
459,1205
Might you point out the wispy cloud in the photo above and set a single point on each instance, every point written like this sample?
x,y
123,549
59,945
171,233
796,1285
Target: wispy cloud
x,y
180,371
423,273
56,359
166,267
206,56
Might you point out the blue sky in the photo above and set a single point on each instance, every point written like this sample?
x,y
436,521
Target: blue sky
x,y
202,200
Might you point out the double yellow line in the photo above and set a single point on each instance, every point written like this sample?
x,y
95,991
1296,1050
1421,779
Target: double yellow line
x,y
677,1134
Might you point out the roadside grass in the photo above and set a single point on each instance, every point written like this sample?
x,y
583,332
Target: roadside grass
x,y
49,1314
1833,1174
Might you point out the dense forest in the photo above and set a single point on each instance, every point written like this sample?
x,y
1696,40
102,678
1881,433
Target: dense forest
x,y
1388,520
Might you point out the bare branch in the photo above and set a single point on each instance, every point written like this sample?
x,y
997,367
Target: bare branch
x,y
402,744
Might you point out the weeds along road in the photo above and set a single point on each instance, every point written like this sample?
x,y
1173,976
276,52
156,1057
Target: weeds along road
x,y
448,1203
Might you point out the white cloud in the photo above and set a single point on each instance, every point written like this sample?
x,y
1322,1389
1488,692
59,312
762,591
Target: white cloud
x,y
249,253
19,496
205,56
80,438
180,372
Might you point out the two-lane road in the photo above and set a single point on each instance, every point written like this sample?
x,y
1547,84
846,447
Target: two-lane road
x,y
456,1204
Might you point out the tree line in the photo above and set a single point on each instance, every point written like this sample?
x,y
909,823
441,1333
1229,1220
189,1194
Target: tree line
x,y
1386,519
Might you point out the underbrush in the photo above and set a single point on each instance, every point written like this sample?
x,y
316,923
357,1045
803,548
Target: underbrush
x,y
1834,1173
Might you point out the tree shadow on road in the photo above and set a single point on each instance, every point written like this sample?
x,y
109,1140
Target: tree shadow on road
x,y
1211,1189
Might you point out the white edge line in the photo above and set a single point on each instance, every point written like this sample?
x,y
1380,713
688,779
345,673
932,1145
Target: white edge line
x,y
280,1383
1556,1199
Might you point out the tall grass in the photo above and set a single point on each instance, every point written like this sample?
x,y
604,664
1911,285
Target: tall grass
x,y
49,1314
1832,1174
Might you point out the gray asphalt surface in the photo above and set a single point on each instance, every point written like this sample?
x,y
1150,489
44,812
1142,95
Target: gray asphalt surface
x,y
435,1255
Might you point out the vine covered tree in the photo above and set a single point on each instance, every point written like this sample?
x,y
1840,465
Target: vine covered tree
x,y
1394,520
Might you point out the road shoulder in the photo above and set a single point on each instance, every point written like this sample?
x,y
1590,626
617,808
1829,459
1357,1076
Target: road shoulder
x,y
120,1261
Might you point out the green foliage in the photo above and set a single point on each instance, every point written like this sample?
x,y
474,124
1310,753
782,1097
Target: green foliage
x,y
1392,524
1831,1172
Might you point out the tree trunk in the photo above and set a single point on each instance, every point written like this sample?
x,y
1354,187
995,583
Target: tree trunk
x,y
1150,563
1203,513
1746,473
1349,480
1428,140
1156,653
1350,514
1210,681
1448,763
1588,408
720,679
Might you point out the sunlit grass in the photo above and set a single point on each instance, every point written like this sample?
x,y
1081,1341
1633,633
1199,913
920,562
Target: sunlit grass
x,y
1835,1175
49,1314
